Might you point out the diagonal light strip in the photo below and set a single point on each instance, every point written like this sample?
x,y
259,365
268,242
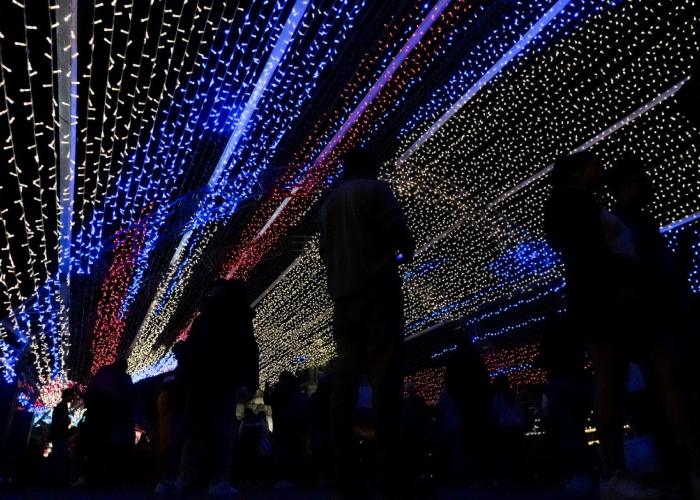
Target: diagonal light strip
x,y
535,177
516,49
273,62
485,79
372,93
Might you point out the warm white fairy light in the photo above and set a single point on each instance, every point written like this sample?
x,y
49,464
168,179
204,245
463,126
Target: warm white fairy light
x,y
548,104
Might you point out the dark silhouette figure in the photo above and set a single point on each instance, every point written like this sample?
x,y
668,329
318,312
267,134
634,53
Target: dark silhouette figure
x,y
569,393
59,436
291,418
108,432
509,416
662,314
321,428
249,438
363,233
602,286
415,432
171,416
221,356
468,385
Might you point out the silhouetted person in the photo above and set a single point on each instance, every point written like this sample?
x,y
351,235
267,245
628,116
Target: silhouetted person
x,y
363,231
602,283
509,416
289,408
59,436
468,383
171,415
109,424
569,391
320,434
661,314
221,357
249,435
415,432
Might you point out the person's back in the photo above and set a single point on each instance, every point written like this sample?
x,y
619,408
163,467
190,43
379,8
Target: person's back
x,y
363,236
362,229
222,353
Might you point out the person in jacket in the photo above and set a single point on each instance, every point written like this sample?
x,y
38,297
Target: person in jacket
x,y
363,238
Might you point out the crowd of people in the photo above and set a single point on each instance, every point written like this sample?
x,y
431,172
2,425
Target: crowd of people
x,y
364,430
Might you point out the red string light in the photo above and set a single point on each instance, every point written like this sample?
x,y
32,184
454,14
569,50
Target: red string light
x,y
110,322
255,246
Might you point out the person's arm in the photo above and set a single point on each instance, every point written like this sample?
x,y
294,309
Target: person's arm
x,y
392,223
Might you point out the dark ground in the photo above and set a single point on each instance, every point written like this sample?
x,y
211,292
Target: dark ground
x,y
260,493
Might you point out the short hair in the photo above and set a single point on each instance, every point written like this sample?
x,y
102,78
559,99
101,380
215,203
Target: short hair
x,y
233,288
360,160
566,165
624,171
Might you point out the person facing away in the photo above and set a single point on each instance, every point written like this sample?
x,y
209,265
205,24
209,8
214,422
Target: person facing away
x,y
249,435
59,436
109,424
288,411
509,416
568,392
662,288
221,356
171,408
60,422
363,237
415,417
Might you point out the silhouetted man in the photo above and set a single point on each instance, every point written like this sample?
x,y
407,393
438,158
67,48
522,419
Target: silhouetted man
x,y
220,356
363,237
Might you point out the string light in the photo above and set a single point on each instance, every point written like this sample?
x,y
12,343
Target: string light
x,y
504,134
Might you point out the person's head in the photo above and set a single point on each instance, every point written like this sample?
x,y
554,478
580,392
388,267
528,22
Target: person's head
x,y
501,384
248,413
120,365
580,169
411,388
630,185
68,395
288,380
361,162
233,290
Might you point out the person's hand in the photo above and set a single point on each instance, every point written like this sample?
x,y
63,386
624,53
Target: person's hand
x,y
405,258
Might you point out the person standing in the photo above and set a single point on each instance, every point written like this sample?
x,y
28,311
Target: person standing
x,y
415,432
602,280
662,313
363,237
220,357
568,392
108,432
59,435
